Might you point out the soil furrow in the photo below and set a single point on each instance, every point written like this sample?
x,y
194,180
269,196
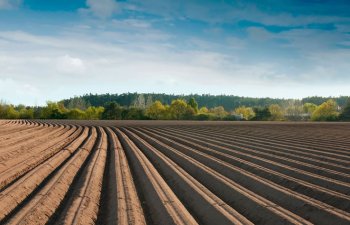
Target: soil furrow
x,y
162,204
262,186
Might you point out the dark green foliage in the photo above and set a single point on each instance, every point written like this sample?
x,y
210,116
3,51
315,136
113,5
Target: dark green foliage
x,y
205,117
53,110
26,113
345,114
230,118
2,111
133,113
57,114
262,113
193,104
113,111
37,112
202,117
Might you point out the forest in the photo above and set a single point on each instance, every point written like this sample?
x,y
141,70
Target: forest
x,y
134,106
229,102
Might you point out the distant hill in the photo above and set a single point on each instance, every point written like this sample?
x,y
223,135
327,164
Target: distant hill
x,y
229,102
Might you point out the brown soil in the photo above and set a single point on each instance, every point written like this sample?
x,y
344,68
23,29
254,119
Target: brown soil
x,y
174,172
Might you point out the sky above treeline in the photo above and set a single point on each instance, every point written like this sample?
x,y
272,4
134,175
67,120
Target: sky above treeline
x,y
55,49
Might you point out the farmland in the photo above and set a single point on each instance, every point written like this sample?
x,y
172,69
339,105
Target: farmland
x,y
167,172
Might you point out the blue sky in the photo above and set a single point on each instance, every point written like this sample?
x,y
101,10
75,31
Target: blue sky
x,y
56,49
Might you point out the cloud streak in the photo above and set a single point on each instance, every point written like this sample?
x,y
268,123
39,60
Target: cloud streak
x,y
101,8
10,4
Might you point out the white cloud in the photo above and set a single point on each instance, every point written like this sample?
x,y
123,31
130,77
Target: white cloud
x,y
10,4
102,8
72,65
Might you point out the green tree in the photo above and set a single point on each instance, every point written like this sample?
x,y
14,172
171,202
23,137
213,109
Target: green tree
x,y
26,113
309,108
218,112
262,113
178,109
203,117
167,113
203,110
203,114
20,107
58,114
193,104
133,113
11,113
75,114
276,112
2,110
94,113
37,112
247,113
327,111
156,111
52,111
345,114
113,111
190,113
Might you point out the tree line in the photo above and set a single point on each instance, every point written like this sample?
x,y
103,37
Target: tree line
x,y
144,108
229,102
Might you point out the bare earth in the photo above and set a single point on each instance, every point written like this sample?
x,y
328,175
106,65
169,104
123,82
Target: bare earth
x,y
170,172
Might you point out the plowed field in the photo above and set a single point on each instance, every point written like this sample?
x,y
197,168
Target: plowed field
x,y
158,172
